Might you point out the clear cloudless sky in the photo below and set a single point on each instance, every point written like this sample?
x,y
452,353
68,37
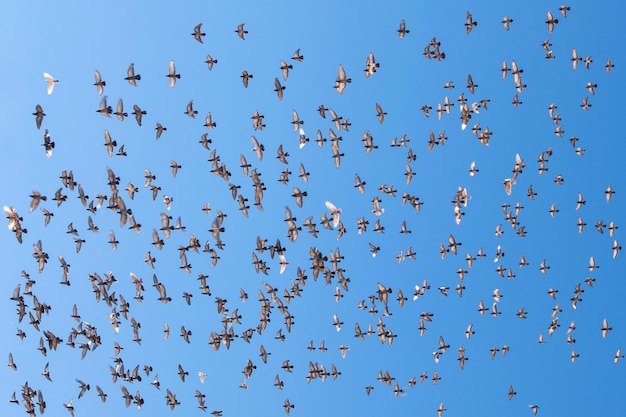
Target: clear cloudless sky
x,y
72,39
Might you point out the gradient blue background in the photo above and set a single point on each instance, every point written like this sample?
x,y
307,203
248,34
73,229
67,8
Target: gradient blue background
x,y
71,40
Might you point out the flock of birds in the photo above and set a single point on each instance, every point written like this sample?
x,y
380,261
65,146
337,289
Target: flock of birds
x,y
269,256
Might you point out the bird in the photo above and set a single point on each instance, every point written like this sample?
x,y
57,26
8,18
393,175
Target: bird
x,y
197,33
551,21
605,328
99,82
119,112
402,30
138,113
296,56
335,212
609,193
51,81
575,59
131,77
69,407
159,130
288,406
210,61
172,75
190,110
506,21
285,69
47,143
245,77
440,410
470,84
380,113
104,109
278,88
39,115
342,80
470,23
241,32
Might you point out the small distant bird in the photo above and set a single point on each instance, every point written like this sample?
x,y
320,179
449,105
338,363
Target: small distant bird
x,y
341,81
609,193
402,30
210,61
470,84
190,111
241,31
551,21
334,211
279,88
585,104
99,83
380,113
51,82
197,32
296,56
104,109
245,77
159,130
39,114
506,21
575,58
288,406
285,69
172,74
605,327
591,88
440,410
469,23
473,170
138,113
507,185
131,77
119,112
47,143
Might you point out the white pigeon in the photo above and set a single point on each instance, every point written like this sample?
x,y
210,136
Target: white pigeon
x,y
51,81
202,375
335,212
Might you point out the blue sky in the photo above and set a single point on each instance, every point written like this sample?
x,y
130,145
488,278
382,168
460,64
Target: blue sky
x,y
71,42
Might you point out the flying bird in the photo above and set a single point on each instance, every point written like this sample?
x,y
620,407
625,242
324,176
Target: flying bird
x,y
51,81
278,88
197,33
402,30
39,114
551,21
99,82
245,76
241,31
131,77
210,61
172,74
297,56
470,23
